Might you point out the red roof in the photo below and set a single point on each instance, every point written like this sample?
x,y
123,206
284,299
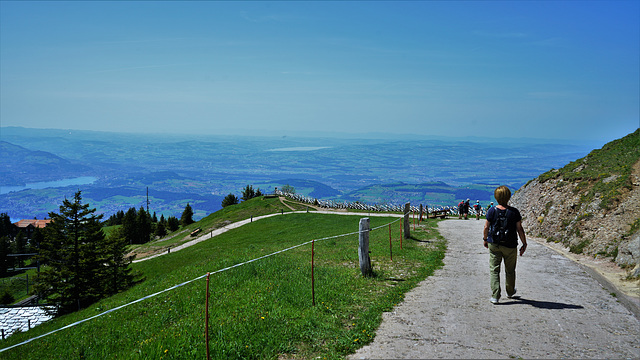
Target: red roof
x,y
36,223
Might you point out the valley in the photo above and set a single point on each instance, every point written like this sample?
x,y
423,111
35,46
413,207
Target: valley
x,y
201,170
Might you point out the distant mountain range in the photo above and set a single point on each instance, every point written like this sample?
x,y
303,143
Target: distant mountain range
x,y
20,165
202,170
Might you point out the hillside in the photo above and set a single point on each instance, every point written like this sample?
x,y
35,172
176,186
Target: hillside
x,y
21,165
592,205
261,302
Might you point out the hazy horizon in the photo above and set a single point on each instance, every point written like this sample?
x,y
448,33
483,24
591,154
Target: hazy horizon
x,y
596,143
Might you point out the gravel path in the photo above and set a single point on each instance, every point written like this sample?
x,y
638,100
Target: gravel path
x,y
562,311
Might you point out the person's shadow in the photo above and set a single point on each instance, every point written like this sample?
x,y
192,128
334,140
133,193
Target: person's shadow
x,y
541,304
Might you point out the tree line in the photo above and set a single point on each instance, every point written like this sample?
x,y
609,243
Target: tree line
x,y
80,264
139,227
247,193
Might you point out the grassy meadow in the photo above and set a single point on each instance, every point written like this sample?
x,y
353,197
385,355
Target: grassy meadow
x,y
260,310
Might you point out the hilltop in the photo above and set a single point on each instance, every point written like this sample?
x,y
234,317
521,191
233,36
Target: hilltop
x,y
591,205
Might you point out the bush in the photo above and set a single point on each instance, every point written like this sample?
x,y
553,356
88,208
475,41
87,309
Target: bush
x,y
6,298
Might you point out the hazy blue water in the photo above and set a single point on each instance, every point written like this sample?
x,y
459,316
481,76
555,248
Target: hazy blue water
x,y
83,180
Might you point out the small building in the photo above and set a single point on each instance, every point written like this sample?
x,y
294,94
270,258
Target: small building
x,y
27,226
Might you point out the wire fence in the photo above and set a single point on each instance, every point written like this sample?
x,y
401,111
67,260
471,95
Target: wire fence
x,y
404,216
360,206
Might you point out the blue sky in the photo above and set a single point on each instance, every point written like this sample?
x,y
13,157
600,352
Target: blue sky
x,y
491,69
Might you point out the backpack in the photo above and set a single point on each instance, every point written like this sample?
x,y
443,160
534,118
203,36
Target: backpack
x,y
500,229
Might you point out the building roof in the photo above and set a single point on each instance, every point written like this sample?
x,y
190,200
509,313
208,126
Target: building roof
x,y
36,223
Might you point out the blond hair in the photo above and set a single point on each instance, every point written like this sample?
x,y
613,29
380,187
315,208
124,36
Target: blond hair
x,y
502,195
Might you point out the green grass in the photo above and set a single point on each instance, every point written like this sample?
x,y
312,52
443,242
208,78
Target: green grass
x,y
16,285
245,210
604,173
260,310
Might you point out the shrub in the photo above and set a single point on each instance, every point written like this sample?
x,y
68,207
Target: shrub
x,y
6,298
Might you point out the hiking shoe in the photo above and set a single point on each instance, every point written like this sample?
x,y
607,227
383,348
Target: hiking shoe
x,y
494,300
512,295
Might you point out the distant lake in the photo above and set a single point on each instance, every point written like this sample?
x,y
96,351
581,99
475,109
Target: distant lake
x,y
302,148
83,180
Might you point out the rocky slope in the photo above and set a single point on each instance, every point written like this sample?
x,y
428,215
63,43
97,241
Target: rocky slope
x,y
592,205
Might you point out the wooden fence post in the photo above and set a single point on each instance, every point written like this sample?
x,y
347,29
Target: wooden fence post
x,y
390,246
363,248
206,319
407,221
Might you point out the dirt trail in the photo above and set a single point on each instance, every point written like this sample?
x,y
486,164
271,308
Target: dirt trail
x,y
562,311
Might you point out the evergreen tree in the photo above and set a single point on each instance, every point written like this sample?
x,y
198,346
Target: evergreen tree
x,y
111,220
187,216
130,226
6,262
248,193
19,247
5,225
161,230
258,193
229,200
118,274
73,250
144,226
173,223
34,245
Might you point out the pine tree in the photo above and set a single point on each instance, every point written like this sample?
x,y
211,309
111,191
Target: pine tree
x,y
73,251
187,216
248,193
129,226
161,231
118,274
5,261
19,247
173,223
5,225
144,226
229,200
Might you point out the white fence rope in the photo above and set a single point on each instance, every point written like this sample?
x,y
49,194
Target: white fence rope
x,y
190,281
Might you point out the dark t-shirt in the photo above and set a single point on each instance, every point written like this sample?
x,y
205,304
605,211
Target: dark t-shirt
x,y
513,216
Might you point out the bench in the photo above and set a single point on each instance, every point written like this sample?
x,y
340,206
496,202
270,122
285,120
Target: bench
x,y
442,214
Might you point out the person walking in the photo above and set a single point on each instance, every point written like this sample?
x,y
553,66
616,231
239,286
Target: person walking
x,y
465,209
500,236
489,206
478,209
